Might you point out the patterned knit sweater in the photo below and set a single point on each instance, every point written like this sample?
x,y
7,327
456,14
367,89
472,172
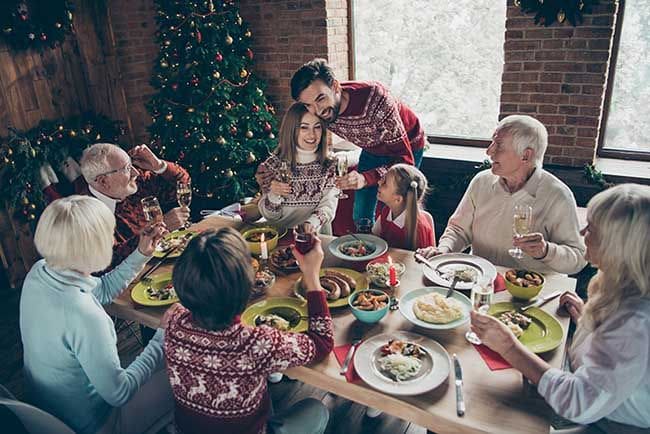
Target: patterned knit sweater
x,y
313,195
219,377
380,124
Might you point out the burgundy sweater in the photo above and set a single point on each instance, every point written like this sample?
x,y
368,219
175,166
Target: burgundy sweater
x,y
380,124
219,377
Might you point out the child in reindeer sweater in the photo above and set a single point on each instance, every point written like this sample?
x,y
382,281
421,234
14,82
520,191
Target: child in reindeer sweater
x,y
217,366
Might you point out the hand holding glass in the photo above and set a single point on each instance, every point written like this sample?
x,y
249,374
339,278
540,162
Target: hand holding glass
x,y
521,225
341,170
184,196
481,297
284,174
303,238
151,208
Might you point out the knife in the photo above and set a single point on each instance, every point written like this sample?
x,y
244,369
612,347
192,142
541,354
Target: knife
x,y
460,402
452,287
541,301
348,357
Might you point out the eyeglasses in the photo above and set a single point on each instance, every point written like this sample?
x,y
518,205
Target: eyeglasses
x,y
125,170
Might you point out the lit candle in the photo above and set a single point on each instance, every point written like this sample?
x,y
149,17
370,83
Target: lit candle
x,y
392,274
265,252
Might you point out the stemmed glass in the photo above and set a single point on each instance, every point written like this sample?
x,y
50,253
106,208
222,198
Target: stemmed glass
x,y
151,208
284,174
481,297
341,170
184,196
522,222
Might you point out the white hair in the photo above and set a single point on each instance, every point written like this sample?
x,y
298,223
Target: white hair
x,y
527,132
620,219
76,232
94,161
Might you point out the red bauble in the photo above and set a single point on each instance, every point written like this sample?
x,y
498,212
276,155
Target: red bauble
x,y
181,155
174,86
187,134
23,16
218,57
267,127
43,37
199,37
249,53
233,130
255,109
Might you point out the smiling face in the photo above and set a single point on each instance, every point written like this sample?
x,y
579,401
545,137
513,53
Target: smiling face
x,y
309,132
322,100
505,160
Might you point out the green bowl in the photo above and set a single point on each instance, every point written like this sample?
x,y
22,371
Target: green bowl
x,y
523,292
368,316
256,246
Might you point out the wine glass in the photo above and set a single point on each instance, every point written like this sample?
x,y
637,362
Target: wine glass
x,y
184,196
522,222
481,297
341,170
303,238
151,208
364,226
284,173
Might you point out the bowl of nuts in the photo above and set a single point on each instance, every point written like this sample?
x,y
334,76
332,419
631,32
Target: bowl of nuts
x,y
524,284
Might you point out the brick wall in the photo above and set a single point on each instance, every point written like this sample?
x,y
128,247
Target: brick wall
x,y
557,74
134,28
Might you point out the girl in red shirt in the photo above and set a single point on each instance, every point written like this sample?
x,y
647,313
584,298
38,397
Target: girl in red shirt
x,y
402,222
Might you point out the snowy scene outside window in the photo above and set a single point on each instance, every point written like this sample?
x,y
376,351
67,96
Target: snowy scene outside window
x,y
629,110
443,59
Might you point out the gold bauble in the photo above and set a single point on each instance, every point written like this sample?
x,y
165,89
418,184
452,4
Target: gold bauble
x,y
169,117
190,109
221,140
73,133
271,136
31,217
249,134
248,33
24,201
229,40
10,151
32,206
216,74
164,64
229,173
243,73
251,158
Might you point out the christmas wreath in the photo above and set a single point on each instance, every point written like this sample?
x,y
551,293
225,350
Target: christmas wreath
x,y
34,23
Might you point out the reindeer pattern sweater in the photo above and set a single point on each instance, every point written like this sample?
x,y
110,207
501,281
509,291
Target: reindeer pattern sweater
x,y
219,377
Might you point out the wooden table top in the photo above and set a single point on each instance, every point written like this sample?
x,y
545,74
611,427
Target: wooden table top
x,y
496,401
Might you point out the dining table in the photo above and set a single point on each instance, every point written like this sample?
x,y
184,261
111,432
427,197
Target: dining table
x,y
496,400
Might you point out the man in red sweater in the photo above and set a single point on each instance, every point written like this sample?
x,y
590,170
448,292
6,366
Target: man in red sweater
x,y
121,180
366,114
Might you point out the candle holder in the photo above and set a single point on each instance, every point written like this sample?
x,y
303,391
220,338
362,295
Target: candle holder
x,y
395,286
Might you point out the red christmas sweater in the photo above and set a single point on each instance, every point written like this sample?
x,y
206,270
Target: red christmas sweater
x,y
129,217
396,236
219,377
380,124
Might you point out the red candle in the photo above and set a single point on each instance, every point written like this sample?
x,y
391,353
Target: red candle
x,y
392,274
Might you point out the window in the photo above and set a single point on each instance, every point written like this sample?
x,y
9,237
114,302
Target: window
x,y
443,59
625,132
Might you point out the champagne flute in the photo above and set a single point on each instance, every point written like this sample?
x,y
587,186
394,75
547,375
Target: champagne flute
x,y
151,208
184,196
284,174
481,297
341,170
522,222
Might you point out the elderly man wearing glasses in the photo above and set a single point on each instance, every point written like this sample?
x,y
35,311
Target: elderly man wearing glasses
x,y
121,180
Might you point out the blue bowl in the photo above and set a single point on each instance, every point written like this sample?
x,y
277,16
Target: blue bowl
x,y
368,316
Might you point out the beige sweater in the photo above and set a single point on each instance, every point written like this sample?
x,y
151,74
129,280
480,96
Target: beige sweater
x,y
483,219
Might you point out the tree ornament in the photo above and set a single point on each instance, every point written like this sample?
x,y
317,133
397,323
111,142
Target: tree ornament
x,y
267,127
251,158
202,138
255,108
187,134
229,173
249,134
31,36
249,53
43,37
57,25
191,109
216,74
233,130
259,92
24,201
271,136
169,117
164,64
243,73
211,6
31,217
229,40
32,206
174,86
32,152
248,34
73,133
199,37
227,105
167,42
221,140
218,57
239,20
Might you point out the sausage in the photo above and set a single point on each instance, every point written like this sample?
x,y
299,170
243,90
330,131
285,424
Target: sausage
x,y
345,288
349,280
331,287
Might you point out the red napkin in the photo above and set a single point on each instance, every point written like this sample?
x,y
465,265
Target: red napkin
x,y
340,352
499,283
493,359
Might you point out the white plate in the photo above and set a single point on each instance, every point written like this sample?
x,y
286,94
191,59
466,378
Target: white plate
x,y
380,247
406,308
453,261
434,371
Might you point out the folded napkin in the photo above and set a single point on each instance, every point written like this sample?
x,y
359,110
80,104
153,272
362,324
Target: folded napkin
x,y
499,283
340,352
233,210
493,359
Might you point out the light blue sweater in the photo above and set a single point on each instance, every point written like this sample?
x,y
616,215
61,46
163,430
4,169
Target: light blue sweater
x,y
72,368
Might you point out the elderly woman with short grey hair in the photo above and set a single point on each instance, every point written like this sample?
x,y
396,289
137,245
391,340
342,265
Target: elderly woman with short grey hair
x,y
72,369
484,217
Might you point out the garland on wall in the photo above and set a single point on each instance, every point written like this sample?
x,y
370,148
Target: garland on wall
x,y
549,11
35,23
33,162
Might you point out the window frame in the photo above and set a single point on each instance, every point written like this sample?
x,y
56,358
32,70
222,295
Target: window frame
x,y
601,150
438,140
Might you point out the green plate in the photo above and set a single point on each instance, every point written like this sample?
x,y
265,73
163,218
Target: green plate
x,y
277,306
361,279
544,334
159,253
139,296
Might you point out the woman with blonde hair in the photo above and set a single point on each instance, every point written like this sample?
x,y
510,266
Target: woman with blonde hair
x,y
72,369
302,177
609,381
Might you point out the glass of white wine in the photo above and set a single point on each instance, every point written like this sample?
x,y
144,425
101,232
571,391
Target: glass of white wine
x,y
522,222
341,170
482,293
151,208
284,174
184,196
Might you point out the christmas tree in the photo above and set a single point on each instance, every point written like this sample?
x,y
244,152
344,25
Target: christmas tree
x,y
210,114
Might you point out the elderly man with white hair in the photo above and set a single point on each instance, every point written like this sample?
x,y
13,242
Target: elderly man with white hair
x,y
121,180
484,217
